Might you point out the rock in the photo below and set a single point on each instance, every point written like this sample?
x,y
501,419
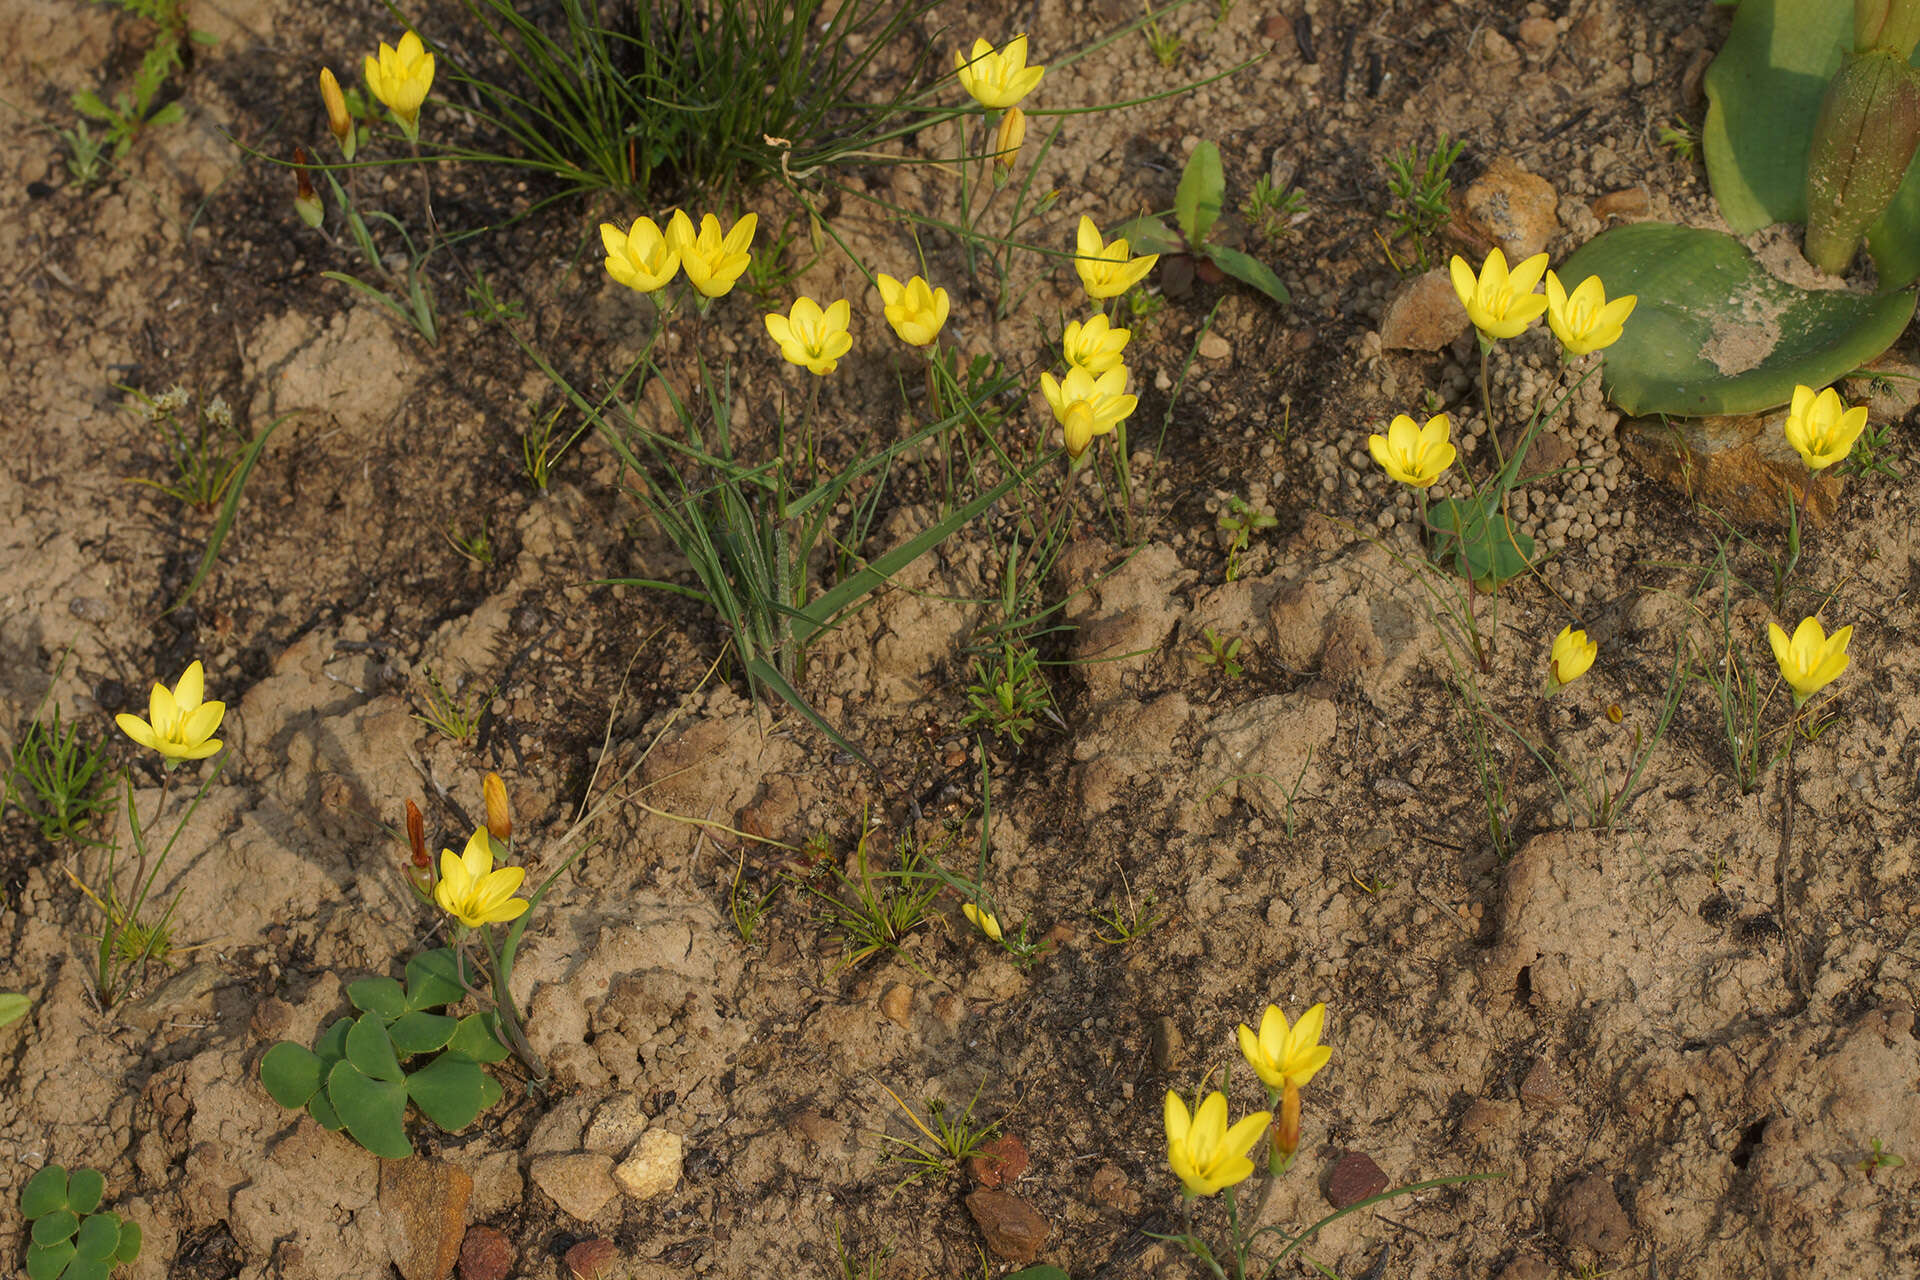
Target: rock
x,y
423,1207
1014,1229
1539,35
1424,314
593,1259
1355,1177
654,1167
897,1004
1642,68
1166,1043
1484,1122
1511,208
1589,1216
615,1124
1297,616
1000,1162
1215,347
1742,466
486,1254
1628,202
1111,1190
1542,1088
581,1184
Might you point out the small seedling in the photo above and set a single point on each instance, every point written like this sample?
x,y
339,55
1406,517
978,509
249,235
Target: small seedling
x,y
1221,654
476,547
1419,184
1127,920
874,912
72,1238
1196,209
455,717
539,453
859,1266
1373,886
746,906
1273,209
1870,451
58,780
949,1142
1009,696
86,155
1240,521
1880,1158
1164,44
1679,138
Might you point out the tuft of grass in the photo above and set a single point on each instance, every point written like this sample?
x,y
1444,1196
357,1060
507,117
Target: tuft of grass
x,y
1273,209
1127,919
475,547
946,1142
451,715
1162,43
871,911
1679,138
59,781
204,451
746,907
1419,185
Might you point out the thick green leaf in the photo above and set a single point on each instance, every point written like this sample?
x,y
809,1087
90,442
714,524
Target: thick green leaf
x,y
451,1091
1148,234
1763,93
54,1227
320,1107
371,1050
1248,270
1713,332
1485,547
84,1189
421,1033
130,1239
88,1269
374,1111
332,1044
88,103
476,1040
99,1236
45,1191
433,979
13,1007
1196,205
292,1074
1044,1271
383,996
46,1262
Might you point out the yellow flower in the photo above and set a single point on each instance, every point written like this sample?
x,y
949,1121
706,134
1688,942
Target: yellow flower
x,y
640,258
1086,405
1812,659
711,260
915,310
1501,305
997,80
1584,320
985,921
1282,1055
1573,653
1822,428
1012,132
1205,1154
178,725
400,78
812,337
471,891
339,121
1094,345
499,815
1414,455
1105,269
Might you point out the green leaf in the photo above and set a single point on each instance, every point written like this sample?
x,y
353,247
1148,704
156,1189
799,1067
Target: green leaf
x,y
1147,234
1485,547
1714,332
54,1227
320,1107
1044,1271
383,996
451,1091
130,1238
84,1189
229,511
46,1262
332,1044
374,1111
99,1236
88,104
45,1191
13,1007
88,1269
421,1033
371,1050
1764,92
172,113
1196,205
1248,270
475,1039
292,1074
433,979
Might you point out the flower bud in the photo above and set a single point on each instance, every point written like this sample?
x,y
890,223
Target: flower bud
x,y
499,817
1286,1134
1013,132
417,835
338,119
306,201
1889,25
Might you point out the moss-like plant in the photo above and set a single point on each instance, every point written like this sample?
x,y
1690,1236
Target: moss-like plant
x,y
355,1077
70,1237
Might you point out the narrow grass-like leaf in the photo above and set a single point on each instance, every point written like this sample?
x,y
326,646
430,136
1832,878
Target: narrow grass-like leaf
x,y
229,511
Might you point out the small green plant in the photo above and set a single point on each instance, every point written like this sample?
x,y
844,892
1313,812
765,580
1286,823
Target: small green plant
x,y
72,1237
134,110
949,1141
539,453
475,547
13,1007
1009,696
451,715
356,1076
205,456
59,781
1419,185
746,906
1126,919
1880,1158
409,297
1742,702
1679,138
1373,886
1273,209
1196,210
874,912
1870,453
854,1265
1221,654
1162,43
1239,522
86,155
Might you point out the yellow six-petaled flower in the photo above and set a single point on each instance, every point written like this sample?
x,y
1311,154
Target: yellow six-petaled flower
x,y
1821,428
400,78
916,310
471,891
812,337
179,724
997,80
985,921
1810,660
1500,303
1204,1153
1572,655
1584,320
1414,455
1283,1055
643,258
712,259
1105,269
1093,344
1088,405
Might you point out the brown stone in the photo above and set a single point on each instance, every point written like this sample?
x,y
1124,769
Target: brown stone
x,y
897,1005
1000,1162
772,812
1014,1229
593,1259
486,1254
1424,314
1742,467
1588,1216
1111,1190
1165,1043
1355,1177
1511,208
1542,1088
1539,34
1628,202
423,1207
580,1184
1484,1122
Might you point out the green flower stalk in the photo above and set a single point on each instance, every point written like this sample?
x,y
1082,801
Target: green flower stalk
x,y
1866,133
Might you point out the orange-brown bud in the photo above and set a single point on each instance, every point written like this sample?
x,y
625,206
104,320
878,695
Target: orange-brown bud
x,y
499,816
417,835
306,201
1286,1134
338,118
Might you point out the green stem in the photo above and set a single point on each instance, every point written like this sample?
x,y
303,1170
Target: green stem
x,y
507,1013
